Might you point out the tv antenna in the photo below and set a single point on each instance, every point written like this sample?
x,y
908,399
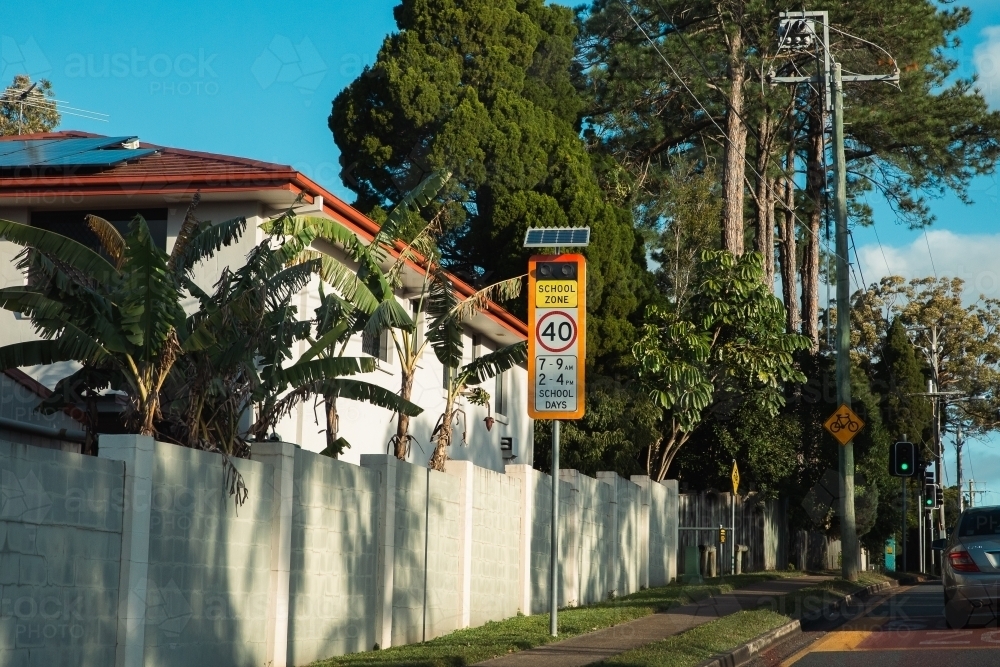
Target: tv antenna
x,y
31,97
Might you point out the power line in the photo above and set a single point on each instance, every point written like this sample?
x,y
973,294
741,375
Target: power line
x,y
715,123
928,241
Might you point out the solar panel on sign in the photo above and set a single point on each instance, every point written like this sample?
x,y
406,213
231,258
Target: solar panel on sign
x,y
555,237
43,154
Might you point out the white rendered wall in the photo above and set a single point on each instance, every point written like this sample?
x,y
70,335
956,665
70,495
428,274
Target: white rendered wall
x,y
209,562
333,557
60,546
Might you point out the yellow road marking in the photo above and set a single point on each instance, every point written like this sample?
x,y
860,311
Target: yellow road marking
x,y
849,636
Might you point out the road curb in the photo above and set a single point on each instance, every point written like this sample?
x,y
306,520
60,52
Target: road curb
x,y
744,653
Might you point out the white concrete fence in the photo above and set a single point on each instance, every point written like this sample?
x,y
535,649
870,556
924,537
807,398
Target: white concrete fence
x,y
140,557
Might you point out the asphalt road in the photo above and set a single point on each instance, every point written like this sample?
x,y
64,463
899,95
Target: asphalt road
x,y
903,627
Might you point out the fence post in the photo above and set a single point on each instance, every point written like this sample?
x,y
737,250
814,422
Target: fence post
x,y
386,467
646,502
614,562
525,474
281,457
465,472
572,522
136,451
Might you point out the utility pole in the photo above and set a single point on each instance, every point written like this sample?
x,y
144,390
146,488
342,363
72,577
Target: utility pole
x,y
958,466
797,32
848,527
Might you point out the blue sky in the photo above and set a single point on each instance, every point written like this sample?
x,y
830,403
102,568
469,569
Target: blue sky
x,y
256,80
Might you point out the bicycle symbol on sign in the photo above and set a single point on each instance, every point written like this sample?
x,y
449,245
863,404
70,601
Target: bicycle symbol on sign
x,y
844,424
844,421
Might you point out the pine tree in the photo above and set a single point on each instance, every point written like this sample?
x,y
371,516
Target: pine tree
x,y
898,376
484,89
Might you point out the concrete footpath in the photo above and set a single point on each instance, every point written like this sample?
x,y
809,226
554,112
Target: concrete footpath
x,y
596,646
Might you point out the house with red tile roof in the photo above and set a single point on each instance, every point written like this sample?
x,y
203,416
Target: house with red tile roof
x,y
53,180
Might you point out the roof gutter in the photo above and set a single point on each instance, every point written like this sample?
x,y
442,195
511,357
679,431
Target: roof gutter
x,y
43,431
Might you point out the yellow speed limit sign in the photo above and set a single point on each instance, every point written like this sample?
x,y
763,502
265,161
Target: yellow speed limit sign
x,y
557,326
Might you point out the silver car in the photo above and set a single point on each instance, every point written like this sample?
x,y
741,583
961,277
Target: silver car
x,y
971,568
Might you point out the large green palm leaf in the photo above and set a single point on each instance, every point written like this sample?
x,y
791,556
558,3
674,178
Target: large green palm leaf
x,y
445,330
57,246
316,370
359,390
493,364
149,299
197,242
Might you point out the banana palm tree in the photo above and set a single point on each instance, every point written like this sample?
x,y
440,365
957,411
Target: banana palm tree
x,y
119,315
373,289
446,336
191,378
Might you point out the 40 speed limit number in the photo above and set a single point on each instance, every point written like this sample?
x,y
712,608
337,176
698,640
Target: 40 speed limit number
x,y
556,336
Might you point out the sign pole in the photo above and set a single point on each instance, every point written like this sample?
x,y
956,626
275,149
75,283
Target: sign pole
x,y
557,334
554,551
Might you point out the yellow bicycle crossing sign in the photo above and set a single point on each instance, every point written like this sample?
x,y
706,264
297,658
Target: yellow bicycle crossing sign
x,y
844,424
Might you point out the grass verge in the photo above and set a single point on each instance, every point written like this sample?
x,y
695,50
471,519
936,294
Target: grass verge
x,y
465,647
725,634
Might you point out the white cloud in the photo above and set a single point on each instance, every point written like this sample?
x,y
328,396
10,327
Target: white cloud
x,y
986,57
972,257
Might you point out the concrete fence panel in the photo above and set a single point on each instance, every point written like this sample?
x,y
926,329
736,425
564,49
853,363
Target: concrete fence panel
x,y
149,562
60,548
209,561
496,533
334,547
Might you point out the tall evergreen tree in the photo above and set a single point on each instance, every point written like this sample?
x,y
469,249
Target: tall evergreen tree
x,y
484,89
898,376
933,133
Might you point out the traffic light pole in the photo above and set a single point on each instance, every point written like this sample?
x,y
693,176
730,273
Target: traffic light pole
x,y
848,528
903,540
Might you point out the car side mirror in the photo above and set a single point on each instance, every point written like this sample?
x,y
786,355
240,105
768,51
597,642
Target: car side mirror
x,y
939,545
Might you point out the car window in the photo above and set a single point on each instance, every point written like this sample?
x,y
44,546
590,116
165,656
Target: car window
x,y
978,523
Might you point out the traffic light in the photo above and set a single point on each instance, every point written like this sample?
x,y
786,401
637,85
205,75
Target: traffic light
x,y
939,496
722,535
902,459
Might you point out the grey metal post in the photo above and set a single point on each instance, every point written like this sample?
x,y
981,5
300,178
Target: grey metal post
x,y
903,537
848,529
554,550
958,466
920,527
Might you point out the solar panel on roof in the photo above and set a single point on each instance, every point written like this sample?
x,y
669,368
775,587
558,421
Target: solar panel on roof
x,y
557,237
60,152
99,158
17,145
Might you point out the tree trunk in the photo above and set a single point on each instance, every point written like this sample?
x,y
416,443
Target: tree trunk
x,y
403,421
787,248
443,439
764,239
332,426
815,184
734,165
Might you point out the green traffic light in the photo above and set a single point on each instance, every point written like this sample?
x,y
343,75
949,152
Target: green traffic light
x,y
905,466
929,501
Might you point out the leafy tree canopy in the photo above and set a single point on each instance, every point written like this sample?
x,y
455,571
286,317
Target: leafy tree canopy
x,y
484,90
727,340
27,107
